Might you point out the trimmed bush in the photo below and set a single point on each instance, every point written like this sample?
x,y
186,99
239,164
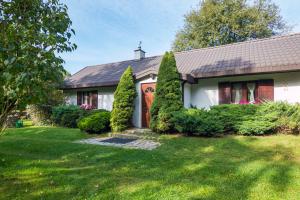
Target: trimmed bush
x,y
168,95
67,115
197,122
123,105
256,127
98,122
267,118
232,115
272,117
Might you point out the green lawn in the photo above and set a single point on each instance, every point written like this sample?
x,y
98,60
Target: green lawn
x,y
43,163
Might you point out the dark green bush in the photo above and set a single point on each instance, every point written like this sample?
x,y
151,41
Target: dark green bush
x,y
197,122
232,115
272,117
97,122
267,118
256,127
67,115
168,95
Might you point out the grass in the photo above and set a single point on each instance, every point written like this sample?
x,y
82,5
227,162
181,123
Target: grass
x,y
43,163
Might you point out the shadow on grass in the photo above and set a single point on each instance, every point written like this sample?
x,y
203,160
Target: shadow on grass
x,y
182,168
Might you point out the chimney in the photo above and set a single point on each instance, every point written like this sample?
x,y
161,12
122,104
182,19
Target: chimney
x,y
139,53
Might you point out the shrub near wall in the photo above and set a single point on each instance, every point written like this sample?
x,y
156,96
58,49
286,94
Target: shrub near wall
x,y
272,117
123,105
97,122
197,122
67,115
232,115
267,118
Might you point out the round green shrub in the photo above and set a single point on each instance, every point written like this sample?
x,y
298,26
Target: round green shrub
x,y
98,122
67,115
197,122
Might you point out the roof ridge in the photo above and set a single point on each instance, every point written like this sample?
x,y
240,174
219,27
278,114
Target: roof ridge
x,y
151,57
239,43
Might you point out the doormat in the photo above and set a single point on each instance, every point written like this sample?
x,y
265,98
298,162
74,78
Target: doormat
x,y
117,140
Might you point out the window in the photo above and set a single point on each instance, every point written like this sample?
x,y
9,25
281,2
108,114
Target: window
x,y
243,92
246,92
149,89
88,98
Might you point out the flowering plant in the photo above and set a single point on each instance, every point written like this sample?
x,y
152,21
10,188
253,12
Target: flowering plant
x,y
86,107
242,102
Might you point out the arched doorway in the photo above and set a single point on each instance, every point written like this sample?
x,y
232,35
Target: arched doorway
x,y
148,90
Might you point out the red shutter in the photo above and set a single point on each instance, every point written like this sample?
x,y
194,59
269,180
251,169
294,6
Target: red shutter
x,y
79,98
224,93
265,90
94,99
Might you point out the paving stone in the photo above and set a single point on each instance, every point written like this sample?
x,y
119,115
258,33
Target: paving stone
x,y
135,144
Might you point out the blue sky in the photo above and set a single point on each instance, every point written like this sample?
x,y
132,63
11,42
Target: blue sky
x,y
109,30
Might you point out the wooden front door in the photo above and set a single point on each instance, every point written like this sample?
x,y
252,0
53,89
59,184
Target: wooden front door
x,y
148,90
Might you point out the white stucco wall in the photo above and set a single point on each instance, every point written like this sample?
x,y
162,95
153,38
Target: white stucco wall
x,y
137,117
106,98
286,88
187,95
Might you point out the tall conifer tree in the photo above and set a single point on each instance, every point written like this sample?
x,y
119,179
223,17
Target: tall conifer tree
x,y
123,105
168,96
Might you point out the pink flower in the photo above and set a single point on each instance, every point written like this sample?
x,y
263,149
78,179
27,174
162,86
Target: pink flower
x,y
86,107
242,102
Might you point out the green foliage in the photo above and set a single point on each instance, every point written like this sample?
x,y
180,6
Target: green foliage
x,y
98,122
272,117
256,127
218,22
197,122
123,105
67,115
32,35
232,115
40,114
168,96
267,118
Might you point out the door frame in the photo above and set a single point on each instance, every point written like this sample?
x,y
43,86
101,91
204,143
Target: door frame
x,y
141,100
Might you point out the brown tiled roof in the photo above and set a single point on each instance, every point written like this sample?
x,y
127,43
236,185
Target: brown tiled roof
x,y
275,54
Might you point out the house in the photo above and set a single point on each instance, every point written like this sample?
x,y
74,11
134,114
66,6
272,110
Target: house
x,y
245,72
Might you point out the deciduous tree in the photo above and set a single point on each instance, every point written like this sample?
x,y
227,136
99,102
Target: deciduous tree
x,y
218,22
32,35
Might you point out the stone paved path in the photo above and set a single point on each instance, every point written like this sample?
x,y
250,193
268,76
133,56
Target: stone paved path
x,y
136,144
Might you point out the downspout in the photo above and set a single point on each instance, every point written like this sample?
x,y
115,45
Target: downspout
x,y
182,90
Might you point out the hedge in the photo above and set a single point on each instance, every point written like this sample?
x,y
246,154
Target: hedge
x,y
98,122
267,118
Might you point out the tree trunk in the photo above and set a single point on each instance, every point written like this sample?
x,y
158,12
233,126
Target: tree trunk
x,y
7,108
